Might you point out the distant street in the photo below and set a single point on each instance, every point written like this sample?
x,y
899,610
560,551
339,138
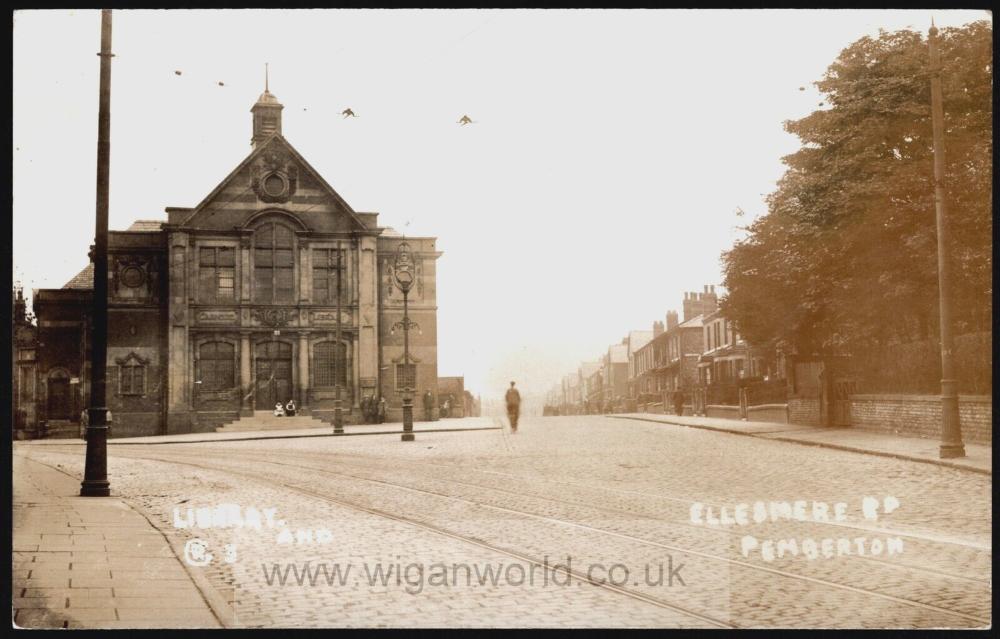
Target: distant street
x,y
655,524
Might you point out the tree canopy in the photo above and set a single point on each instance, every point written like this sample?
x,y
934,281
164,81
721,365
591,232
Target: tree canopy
x,y
846,254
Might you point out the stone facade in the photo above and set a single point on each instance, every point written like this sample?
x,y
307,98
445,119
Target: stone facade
x,y
232,305
920,415
23,375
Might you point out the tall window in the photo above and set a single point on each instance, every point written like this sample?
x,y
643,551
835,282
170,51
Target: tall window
x,y
216,274
330,365
325,267
406,376
273,264
131,378
217,366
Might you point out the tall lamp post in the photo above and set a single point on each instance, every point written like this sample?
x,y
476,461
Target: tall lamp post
x,y
404,276
951,429
95,474
338,416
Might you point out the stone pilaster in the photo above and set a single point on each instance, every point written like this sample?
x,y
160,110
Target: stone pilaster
x,y
303,377
246,376
178,368
367,296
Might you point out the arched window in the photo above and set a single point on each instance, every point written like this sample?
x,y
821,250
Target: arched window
x,y
330,365
273,269
216,366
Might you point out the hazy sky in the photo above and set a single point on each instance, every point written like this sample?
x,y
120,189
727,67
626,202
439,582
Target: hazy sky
x,y
599,182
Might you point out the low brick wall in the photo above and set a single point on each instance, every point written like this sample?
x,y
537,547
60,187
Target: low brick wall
x,y
722,412
920,415
777,413
804,410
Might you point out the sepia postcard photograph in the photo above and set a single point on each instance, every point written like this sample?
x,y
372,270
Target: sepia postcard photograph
x,y
502,318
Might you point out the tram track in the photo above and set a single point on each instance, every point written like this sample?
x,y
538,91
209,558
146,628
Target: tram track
x,y
574,574
627,513
555,521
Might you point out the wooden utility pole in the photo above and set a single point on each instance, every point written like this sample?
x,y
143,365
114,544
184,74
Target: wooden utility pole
x,y
95,475
951,429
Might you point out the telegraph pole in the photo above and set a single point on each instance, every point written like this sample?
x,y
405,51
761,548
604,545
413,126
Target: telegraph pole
x,y
951,428
95,475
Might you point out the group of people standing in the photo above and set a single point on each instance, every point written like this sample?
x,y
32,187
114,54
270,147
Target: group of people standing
x,y
373,410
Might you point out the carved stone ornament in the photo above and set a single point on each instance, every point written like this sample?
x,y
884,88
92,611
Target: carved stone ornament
x,y
130,272
273,316
133,356
330,317
227,317
274,177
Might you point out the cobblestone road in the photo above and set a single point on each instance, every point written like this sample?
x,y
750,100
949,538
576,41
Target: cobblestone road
x,y
607,497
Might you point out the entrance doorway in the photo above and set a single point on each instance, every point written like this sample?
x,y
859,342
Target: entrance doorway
x,y
273,362
59,402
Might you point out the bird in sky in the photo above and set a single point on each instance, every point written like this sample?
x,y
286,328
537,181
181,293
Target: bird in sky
x,y
739,212
802,88
465,120
221,83
347,113
177,72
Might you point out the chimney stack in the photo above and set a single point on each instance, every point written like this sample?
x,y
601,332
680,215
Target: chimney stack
x,y
672,321
700,303
657,329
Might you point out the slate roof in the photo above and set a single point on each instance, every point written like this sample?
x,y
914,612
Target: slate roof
x,y
145,225
84,280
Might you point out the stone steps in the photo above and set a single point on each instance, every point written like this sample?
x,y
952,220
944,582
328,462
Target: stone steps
x,y
62,429
265,420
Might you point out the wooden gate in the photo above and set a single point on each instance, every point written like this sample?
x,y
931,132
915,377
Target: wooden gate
x,y
843,388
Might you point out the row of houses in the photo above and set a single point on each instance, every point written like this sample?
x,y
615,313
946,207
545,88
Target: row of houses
x,y
692,355
696,363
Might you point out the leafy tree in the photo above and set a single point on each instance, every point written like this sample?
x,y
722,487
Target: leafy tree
x,y
846,255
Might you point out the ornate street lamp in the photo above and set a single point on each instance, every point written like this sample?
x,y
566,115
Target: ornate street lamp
x,y
403,274
95,474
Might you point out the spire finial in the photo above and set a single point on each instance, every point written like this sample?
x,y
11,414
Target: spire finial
x,y
265,78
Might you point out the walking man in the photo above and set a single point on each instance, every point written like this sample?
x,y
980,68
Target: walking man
x,y
428,405
513,399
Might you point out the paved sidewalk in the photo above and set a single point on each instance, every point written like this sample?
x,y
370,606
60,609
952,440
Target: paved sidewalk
x,y
93,562
979,458
323,430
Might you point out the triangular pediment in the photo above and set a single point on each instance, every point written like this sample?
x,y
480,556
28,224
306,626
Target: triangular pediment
x,y
274,177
